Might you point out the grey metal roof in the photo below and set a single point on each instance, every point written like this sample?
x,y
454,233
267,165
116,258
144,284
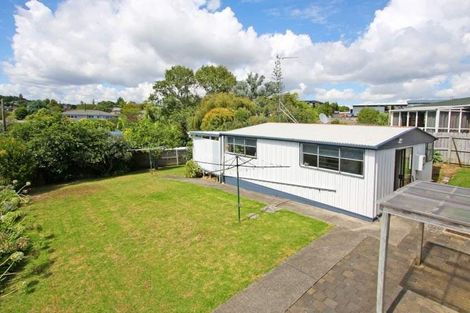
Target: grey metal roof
x,y
435,201
346,135
380,104
204,133
87,113
440,103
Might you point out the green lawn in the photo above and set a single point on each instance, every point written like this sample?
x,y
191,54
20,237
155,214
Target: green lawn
x,y
461,178
144,243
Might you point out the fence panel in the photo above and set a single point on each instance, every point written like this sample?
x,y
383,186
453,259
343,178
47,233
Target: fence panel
x,y
454,147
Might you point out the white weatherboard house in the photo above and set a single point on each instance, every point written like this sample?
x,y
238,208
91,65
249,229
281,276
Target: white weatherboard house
x,y
345,168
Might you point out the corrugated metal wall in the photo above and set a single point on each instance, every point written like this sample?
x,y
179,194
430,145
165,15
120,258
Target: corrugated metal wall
x,y
206,150
351,193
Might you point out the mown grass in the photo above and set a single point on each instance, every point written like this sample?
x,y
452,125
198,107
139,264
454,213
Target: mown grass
x,y
143,243
461,178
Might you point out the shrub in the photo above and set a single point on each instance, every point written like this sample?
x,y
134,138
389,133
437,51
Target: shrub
x,y
192,169
370,116
436,157
217,119
16,161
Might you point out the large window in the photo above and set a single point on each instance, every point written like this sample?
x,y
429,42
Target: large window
x,y
443,121
431,122
341,159
242,146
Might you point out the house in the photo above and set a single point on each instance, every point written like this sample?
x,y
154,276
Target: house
x,y
344,168
88,114
381,107
449,116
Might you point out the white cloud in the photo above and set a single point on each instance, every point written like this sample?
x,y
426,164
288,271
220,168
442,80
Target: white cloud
x,y
102,48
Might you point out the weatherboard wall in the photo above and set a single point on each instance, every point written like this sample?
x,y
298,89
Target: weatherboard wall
x,y
343,191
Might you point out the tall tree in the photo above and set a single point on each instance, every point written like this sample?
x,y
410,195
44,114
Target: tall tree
x,y
215,79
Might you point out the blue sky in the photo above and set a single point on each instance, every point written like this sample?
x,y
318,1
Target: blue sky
x,y
349,51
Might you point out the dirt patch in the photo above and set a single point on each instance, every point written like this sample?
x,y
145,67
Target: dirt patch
x,y
442,170
69,191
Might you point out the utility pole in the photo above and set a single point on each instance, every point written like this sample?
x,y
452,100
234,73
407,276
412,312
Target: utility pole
x,y
238,190
4,120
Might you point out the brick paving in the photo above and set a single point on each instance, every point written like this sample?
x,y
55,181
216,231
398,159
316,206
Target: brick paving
x,y
442,284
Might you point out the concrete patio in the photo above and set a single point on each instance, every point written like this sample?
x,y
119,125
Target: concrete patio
x,y
338,272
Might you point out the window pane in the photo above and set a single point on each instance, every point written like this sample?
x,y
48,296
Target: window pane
x,y
396,116
230,147
431,119
353,167
352,153
250,151
308,148
403,118
454,119
328,163
250,142
421,119
230,140
329,151
239,149
465,121
429,151
443,120
412,119
310,160
239,141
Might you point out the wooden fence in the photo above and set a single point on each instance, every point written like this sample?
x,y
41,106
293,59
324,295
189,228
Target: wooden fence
x,y
144,159
454,147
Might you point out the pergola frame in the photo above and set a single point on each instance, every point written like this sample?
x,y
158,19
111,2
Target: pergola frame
x,y
393,205
405,114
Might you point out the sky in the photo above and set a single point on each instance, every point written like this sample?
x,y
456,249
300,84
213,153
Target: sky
x,y
348,51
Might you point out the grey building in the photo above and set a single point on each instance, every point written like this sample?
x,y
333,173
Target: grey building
x,y
88,114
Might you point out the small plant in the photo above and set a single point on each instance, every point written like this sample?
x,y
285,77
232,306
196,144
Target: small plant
x,y
193,170
13,242
436,157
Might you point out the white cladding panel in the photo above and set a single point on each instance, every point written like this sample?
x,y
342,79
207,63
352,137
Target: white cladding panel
x,y
351,193
207,150
385,164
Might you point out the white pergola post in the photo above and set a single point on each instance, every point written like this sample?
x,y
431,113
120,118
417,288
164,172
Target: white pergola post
x,y
460,120
384,233
399,119
425,120
436,124
407,119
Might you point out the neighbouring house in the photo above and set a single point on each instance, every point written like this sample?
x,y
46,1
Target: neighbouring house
x,y
449,116
88,114
381,107
345,168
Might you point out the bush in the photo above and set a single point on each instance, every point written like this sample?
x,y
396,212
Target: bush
x,y
16,161
192,169
436,157
370,116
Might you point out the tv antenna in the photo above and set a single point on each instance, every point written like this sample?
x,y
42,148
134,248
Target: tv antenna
x,y
324,119
277,76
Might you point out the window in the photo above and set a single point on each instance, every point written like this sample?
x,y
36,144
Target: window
x,y
241,145
411,118
431,122
352,160
429,151
396,118
310,155
421,118
443,121
340,159
454,121
328,157
464,126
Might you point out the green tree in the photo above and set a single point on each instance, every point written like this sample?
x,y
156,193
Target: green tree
x,y
221,100
21,112
176,91
370,116
254,87
215,79
148,134
218,119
